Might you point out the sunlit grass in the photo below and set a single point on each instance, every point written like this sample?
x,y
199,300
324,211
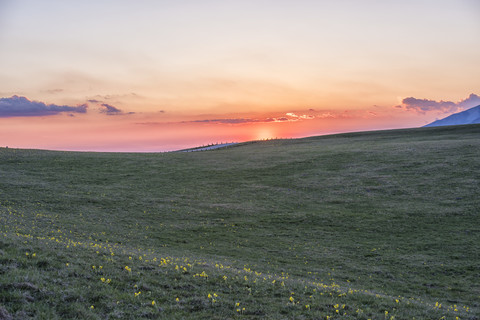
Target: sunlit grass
x,y
359,226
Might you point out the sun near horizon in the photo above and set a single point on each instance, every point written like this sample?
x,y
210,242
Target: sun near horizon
x,y
264,134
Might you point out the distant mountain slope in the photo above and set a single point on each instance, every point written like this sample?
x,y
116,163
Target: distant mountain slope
x,y
469,116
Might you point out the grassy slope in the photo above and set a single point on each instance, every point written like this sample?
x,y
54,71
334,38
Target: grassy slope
x,y
364,225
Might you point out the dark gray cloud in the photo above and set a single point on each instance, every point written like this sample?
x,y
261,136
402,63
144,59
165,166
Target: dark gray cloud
x,y
110,110
425,105
428,105
16,106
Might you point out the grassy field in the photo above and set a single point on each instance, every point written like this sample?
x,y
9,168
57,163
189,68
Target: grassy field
x,y
373,225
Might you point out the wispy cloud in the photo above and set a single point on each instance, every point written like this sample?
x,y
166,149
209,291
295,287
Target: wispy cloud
x,y
16,106
298,117
425,105
226,121
289,117
53,91
115,97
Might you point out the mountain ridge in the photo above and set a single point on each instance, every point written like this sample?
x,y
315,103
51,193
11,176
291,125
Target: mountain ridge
x,y
469,116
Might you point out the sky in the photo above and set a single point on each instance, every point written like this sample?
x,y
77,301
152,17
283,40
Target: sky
x,y
150,76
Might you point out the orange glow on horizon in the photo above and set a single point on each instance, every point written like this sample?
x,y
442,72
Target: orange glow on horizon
x,y
264,133
157,132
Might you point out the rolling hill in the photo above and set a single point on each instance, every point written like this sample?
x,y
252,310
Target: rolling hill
x,y
370,225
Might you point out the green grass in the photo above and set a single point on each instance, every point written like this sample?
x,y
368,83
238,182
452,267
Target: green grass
x,y
373,225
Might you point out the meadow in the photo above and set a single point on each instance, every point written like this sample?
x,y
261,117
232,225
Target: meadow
x,y
369,225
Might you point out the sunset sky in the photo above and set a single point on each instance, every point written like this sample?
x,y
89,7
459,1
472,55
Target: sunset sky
x,y
114,75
